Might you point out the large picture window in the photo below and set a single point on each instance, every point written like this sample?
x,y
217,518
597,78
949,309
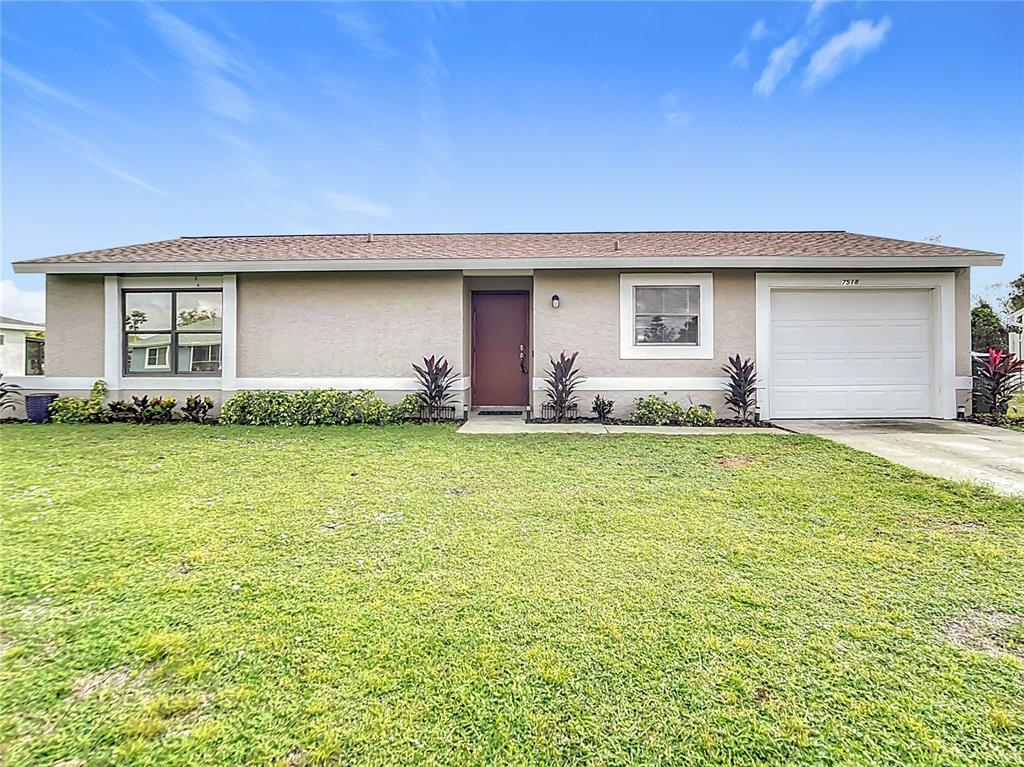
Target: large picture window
x,y
172,332
666,316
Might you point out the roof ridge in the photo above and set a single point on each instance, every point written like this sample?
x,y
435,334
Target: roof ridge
x,y
494,234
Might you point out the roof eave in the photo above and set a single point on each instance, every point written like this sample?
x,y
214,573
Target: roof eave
x,y
488,264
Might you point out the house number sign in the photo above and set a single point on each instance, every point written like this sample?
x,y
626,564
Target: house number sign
x,y
848,283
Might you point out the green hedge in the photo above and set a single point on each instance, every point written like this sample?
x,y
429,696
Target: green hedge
x,y
655,411
316,407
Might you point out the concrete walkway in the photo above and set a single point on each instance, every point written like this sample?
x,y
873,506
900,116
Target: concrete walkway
x,y
954,450
498,424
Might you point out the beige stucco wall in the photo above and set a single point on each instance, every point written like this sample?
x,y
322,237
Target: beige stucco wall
x,y
587,321
962,291
74,325
346,324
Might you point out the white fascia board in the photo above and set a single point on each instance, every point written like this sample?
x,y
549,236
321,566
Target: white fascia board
x,y
490,265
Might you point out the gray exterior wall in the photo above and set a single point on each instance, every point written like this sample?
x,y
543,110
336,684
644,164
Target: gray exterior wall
x,y
346,324
74,325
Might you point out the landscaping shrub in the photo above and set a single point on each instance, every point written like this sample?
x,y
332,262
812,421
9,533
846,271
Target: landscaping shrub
x,y
76,410
9,393
656,411
741,390
560,384
146,409
999,379
602,407
436,379
316,407
196,408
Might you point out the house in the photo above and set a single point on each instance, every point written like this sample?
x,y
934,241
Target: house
x,y
839,324
1016,336
22,347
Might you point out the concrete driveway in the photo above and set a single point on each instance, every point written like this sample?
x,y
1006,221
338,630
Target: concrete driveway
x,y
952,449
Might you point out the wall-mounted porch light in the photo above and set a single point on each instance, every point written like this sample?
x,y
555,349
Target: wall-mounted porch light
x,y
554,301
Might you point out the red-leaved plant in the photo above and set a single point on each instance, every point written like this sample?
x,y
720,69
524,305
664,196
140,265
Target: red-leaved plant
x,y
560,384
1000,378
436,380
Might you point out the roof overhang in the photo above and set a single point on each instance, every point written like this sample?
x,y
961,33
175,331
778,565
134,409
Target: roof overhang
x,y
504,264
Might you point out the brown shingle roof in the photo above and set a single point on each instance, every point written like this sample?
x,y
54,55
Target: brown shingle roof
x,y
596,245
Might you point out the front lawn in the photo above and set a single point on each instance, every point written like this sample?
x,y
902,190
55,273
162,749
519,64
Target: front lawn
x,y
405,595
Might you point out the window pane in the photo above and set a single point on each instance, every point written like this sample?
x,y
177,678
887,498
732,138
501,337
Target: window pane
x,y
199,311
147,311
199,353
666,329
33,357
682,299
148,352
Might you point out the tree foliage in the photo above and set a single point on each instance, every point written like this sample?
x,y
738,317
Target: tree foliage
x,y
987,329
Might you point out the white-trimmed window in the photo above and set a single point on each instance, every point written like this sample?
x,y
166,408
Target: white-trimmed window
x,y
666,316
156,357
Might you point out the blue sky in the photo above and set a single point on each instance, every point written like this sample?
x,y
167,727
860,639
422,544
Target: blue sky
x,y
134,122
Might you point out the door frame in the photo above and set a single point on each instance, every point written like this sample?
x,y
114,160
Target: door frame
x,y
943,336
529,342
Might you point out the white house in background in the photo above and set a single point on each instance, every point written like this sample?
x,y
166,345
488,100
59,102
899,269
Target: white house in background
x,y
21,347
1016,342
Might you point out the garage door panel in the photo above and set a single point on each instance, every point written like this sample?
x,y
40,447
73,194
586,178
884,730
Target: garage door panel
x,y
856,354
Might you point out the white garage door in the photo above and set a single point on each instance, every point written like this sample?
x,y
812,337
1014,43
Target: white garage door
x,y
851,353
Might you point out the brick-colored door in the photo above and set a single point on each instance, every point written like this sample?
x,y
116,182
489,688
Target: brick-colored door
x,y
501,349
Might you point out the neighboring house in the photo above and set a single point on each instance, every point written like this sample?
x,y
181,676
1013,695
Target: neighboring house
x,y
1016,335
839,324
22,347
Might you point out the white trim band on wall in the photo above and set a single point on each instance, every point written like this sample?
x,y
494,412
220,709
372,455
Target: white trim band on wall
x,y
214,383
644,384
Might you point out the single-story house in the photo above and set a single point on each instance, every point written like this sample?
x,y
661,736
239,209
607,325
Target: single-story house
x,y
840,325
22,347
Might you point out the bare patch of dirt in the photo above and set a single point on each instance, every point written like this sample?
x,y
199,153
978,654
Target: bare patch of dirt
x,y
983,631
183,567
734,461
761,696
89,684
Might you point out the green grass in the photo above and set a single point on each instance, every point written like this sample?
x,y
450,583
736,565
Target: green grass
x,y
198,595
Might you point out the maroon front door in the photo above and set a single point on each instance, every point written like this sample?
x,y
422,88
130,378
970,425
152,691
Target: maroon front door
x,y
501,349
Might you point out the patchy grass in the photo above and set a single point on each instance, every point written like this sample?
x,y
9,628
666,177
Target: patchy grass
x,y
197,595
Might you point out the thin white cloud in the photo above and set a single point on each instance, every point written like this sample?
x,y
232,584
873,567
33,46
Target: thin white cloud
x,y
41,91
360,28
18,304
672,110
844,50
212,66
89,152
353,203
742,58
817,8
780,62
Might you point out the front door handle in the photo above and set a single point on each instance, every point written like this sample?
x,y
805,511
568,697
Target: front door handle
x,y
522,360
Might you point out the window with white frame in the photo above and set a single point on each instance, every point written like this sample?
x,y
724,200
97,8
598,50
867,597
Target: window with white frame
x,y
156,357
666,316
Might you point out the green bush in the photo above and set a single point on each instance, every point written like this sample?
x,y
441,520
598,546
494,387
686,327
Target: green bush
x,y
75,410
655,411
316,407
